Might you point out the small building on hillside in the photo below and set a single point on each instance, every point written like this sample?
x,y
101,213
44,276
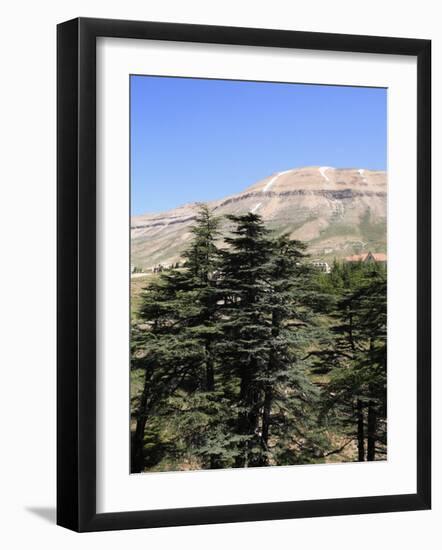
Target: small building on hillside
x,y
369,257
321,266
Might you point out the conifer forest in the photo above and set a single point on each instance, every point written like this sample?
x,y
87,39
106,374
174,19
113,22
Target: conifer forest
x,y
245,354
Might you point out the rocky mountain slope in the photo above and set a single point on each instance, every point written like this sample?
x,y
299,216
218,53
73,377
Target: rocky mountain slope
x,y
337,211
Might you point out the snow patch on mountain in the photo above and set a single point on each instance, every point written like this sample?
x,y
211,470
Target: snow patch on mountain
x,y
272,181
323,171
361,173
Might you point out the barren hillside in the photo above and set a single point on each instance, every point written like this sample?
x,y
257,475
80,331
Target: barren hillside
x,y
337,211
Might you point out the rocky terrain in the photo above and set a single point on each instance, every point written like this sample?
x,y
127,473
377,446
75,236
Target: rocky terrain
x,y
339,212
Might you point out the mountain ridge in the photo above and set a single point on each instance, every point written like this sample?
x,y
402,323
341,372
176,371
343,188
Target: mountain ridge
x,y
337,211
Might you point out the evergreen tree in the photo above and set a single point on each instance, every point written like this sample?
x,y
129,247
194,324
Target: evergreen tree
x,y
264,314
226,351
356,359
175,335
245,347
201,414
290,397
164,353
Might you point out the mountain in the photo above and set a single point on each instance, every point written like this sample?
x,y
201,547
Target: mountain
x,y
338,212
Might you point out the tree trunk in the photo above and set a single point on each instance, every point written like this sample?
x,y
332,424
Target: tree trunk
x,y
214,462
248,418
359,404
240,460
137,442
371,418
268,394
210,375
361,441
253,427
268,398
371,432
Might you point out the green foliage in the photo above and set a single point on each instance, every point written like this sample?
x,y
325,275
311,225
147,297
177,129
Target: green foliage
x,y
356,357
247,356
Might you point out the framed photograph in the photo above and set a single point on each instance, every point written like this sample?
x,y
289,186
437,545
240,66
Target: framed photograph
x,y
243,232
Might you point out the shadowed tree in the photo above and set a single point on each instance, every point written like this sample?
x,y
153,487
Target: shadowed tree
x,y
175,333
265,312
356,359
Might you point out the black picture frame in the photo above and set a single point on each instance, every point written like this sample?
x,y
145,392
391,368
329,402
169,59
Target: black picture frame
x,y
76,274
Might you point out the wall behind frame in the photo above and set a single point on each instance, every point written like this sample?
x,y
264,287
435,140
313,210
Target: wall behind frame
x,y
27,292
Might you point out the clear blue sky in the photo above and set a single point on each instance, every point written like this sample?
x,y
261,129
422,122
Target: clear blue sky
x,y
198,139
